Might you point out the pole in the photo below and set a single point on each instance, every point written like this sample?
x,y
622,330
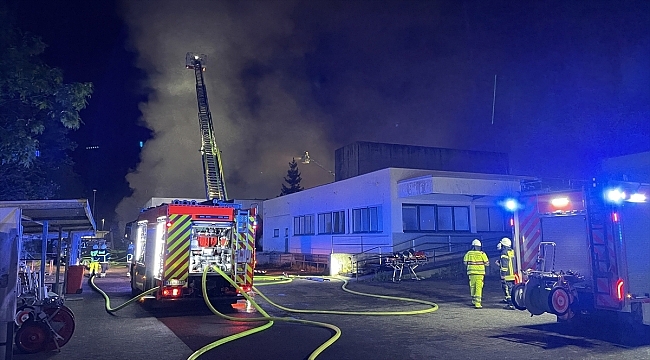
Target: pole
x,y
494,97
58,262
93,210
43,256
517,244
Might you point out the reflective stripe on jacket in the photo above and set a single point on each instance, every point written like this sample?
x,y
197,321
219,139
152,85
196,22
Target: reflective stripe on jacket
x,y
476,261
506,265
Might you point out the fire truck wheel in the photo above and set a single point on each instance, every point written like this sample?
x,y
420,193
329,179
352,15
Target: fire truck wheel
x,y
31,337
517,296
558,301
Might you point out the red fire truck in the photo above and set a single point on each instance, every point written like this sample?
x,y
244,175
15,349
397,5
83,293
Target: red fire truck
x,y
583,249
174,243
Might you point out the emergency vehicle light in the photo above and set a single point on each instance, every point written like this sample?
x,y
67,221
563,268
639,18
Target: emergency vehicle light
x,y
637,198
172,291
615,217
615,195
245,288
511,204
560,202
619,289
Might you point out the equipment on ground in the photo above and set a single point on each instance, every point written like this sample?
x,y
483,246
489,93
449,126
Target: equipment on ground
x,y
175,242
582,254
44,323
409,258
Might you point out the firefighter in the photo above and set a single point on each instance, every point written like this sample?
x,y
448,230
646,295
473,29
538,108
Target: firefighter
x,y
129,259
94,261
506,270
103,259
476,261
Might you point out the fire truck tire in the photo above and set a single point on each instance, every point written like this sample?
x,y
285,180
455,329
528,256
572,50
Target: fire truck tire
x,y
31,337
533,297
517,296
559,301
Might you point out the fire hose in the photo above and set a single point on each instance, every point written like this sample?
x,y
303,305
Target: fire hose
x,y
271,319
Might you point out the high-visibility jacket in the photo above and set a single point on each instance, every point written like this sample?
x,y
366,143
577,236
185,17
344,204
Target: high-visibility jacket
x,y
94,255
476,261
102,255
506,264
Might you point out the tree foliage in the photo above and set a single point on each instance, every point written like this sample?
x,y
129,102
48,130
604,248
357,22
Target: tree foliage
x,y
37,109
292,179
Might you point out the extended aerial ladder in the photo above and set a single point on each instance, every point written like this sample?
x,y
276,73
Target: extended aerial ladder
x,y
215,186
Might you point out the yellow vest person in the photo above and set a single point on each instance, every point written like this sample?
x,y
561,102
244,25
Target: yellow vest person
x,y
476,261
506,270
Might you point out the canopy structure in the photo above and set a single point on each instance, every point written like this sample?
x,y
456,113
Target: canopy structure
x,y
68,215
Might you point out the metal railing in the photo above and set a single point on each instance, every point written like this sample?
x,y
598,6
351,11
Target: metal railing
x,y
436,252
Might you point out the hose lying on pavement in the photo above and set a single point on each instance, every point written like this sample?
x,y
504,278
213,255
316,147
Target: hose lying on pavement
x,y
269,319
107,300
279,280
432,306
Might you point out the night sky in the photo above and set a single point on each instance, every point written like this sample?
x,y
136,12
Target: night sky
x,y
284,77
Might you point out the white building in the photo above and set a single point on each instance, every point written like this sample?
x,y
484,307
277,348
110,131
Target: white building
x,y
390,210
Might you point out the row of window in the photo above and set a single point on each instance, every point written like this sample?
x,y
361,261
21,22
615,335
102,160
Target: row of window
x,y
415,218
427,218
364,220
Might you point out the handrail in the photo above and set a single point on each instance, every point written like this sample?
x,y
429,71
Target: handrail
x,y
445,245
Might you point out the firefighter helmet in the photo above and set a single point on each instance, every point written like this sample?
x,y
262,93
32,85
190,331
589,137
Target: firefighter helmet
x,y
476,242
506,242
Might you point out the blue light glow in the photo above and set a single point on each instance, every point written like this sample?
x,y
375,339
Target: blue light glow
x,y
511,204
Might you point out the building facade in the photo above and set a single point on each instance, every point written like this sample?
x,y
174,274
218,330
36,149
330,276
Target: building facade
x,y
390,210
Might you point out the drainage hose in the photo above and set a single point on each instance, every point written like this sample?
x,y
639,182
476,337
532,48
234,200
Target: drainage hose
x,y
269,319
107,301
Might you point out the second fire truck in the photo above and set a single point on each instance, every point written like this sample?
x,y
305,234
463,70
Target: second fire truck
x,y
583,250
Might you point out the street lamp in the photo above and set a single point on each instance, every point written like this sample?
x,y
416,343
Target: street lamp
x,y
306,159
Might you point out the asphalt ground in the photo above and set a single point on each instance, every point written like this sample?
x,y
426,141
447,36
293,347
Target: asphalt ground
x,y
454,331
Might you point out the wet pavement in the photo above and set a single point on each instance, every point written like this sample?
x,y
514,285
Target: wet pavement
x,y
454,331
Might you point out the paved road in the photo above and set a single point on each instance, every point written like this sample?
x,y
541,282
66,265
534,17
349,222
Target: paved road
x,y
455,331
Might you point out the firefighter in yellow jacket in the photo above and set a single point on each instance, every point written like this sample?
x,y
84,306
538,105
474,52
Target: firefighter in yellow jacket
x,y
476,261
506,270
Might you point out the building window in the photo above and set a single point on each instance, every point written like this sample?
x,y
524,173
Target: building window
x,y
490,219
367,219
418,217
276,233
331,222
453,218
303,225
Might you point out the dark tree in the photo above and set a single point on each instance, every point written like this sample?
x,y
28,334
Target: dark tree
x,y
37,109
292,179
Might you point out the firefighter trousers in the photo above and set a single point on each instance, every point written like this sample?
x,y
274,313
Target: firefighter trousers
x,y
506,286
94,268
476,289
